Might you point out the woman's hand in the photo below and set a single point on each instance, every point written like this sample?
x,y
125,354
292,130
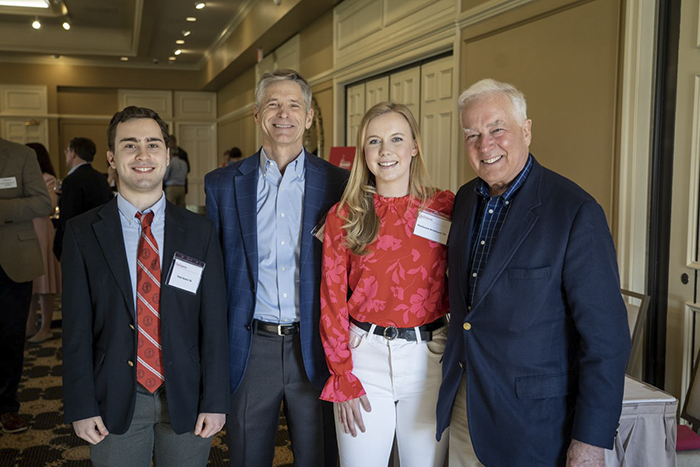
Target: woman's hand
x,y
349,414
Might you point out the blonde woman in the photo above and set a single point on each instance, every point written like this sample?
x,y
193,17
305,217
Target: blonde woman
x,y
384,297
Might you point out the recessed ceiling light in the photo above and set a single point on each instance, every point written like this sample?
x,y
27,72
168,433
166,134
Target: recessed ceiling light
x,y
179,41
200,5
191,19
124,59
66,25
172,59
25,3
36,24
186,33
178,52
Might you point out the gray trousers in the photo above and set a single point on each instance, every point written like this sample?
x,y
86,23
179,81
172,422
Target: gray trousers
x,y
150,436
276,373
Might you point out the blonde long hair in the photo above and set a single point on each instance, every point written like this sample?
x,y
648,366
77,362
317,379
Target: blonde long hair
x,y
361,221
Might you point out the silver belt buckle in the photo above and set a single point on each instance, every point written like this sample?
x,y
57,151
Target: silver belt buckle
x,y
279,330
390,333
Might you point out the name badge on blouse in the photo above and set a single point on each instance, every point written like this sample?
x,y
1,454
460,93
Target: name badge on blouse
x,y
185,273
8,182
432,225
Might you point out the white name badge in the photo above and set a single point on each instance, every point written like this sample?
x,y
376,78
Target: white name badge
x,y
8,182
433,226
185,273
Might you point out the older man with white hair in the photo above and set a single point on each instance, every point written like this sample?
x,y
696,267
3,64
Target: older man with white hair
x,y
533,372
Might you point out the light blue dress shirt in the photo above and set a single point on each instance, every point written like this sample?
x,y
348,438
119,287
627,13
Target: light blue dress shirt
x,y
279,209
131,231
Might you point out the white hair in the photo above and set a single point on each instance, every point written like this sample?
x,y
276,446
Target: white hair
x,y
489,87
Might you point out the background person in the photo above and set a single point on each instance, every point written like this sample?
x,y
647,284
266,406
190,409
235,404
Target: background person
x,y
45,287
384,298
534,366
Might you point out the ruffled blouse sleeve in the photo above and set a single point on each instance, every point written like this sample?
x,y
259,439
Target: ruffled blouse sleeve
x,y
342,384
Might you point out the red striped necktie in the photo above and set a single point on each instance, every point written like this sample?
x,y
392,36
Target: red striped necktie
x,y
149,367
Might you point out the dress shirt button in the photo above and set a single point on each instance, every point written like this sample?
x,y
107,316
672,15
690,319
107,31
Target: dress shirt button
x,y
284,295
490,211
461,365
467,326
282,215
282,242
283,269
474,274
247,327
132,327
483,242
469,308
130,363
507,203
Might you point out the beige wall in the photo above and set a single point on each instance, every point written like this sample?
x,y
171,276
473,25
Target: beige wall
x,y
316,44
565,61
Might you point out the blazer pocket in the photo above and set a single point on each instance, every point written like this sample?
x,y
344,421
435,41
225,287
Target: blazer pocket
x,y
539,273
27,235
543,386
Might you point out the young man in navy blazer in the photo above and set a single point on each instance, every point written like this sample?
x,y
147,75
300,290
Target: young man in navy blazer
x,y
265,208
145,369
534,367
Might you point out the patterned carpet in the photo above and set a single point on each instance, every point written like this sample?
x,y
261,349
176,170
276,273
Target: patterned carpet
x,y
51,443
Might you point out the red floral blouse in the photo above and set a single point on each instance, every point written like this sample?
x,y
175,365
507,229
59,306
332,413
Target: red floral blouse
x,y
399,282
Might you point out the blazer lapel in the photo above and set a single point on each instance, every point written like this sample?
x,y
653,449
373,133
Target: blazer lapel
x,y
173,238
521,218
461,237
245,185
108,231
4,155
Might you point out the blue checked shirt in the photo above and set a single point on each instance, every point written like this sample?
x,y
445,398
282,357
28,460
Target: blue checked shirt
x,y
492,214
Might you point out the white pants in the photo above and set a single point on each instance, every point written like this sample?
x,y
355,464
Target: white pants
x,y
461,448
402,380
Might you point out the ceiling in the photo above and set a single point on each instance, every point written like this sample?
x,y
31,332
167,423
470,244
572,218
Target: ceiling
x,y
126,33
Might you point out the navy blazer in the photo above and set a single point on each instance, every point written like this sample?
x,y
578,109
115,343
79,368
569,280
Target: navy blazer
x,y
545,355
231,199
100,330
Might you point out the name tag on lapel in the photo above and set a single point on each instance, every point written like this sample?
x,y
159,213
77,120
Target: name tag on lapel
x,y
8,182
185,273
433,226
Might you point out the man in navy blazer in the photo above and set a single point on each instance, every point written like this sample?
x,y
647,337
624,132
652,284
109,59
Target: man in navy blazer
x,y
265,208
533,372
129,408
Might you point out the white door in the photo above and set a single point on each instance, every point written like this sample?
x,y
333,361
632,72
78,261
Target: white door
x,y
199,140
438,122
355,109
377,91
405,89
26,130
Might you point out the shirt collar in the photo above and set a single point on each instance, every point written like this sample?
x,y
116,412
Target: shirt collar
x,y
297,165
482,189
128,210
75,167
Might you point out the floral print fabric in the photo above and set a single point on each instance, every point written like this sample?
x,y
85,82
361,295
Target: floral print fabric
x,y
399,282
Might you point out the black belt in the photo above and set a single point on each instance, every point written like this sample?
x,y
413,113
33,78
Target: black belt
x,y
278,329
392,332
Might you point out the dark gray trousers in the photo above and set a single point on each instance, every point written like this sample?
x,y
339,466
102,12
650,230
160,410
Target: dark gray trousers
x,y
150,436
275,374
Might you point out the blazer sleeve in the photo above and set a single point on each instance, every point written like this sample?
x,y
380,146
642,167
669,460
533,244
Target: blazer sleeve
x,y
592,289
213,318
34,202
79,397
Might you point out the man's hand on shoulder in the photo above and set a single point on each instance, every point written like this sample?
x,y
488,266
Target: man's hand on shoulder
x,y
92,430
209,424
584,455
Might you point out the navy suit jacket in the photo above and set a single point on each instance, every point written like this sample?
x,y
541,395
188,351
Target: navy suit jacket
x,y
100,329
544,358
231,198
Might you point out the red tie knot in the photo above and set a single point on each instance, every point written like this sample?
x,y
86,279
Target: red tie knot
x,y
145,219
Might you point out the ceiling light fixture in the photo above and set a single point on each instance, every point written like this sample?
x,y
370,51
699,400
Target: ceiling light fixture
x,y
36,24
26,3
200,5
124,59
191,19
178,52
179,41
172,59
186,33
66,24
